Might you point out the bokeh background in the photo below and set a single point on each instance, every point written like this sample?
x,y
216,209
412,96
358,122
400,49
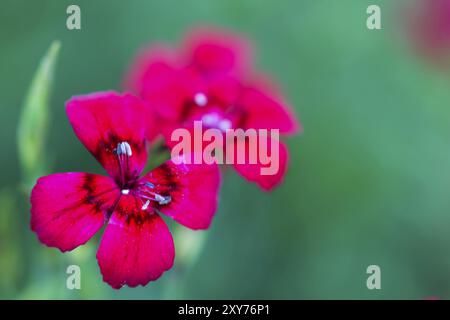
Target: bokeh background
x,y
369,179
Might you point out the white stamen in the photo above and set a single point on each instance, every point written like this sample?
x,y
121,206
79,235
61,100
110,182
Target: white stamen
x,y
159,198
124,148
128,149
162,200
146,204
125,191
201,99
166,200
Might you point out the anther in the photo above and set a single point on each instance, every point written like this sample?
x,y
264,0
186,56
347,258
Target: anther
x,y
125,191
146,204
167,199
201,99
149,184
163,199
124,148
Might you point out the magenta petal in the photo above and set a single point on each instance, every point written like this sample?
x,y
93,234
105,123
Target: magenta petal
x,y
224,90
67,209
428,25
216,52
102,121
168,90
252,172
266,111
157,76
136,247
138,72
193,189
155,79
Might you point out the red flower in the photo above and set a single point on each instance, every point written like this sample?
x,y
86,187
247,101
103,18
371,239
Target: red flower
x,y
428,23
212,81
69,208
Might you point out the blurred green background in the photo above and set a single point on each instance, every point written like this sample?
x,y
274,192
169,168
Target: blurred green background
x,y
369,179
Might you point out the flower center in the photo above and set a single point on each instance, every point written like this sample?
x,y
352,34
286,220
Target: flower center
x,y
144,191
123,152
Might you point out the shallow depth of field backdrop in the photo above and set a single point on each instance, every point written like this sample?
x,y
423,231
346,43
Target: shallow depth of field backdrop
x,y
368,182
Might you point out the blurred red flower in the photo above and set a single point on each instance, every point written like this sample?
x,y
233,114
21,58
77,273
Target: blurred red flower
x,y
428,24
211,79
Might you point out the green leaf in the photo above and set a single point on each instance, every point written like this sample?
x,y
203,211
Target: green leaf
x,y
10,253
33,122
